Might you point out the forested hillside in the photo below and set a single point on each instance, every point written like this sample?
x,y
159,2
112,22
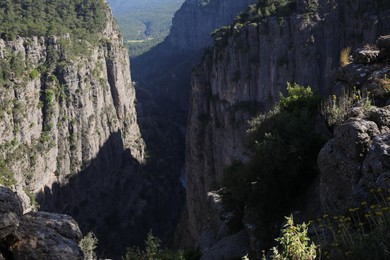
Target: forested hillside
x,y
144,24
42,18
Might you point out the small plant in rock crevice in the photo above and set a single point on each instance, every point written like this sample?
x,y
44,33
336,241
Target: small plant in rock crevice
x,y
337,108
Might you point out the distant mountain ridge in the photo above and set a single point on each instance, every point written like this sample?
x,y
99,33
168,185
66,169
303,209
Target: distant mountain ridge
x,y
144,24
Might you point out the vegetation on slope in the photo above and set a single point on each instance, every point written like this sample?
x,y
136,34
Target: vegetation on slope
x,y
144,23
255,13
81,18
284,144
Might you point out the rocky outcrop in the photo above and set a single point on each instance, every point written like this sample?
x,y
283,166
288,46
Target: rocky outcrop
x,y
353,163
67,101
355,160
35,235
245,73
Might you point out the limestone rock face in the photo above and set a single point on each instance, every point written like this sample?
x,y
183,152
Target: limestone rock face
x,y
36,235
57,114
355,160
196,19
248,69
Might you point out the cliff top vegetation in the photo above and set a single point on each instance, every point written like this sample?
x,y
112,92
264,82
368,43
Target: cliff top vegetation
x,y
26,18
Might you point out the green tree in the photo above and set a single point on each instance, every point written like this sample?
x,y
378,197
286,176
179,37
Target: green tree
x,y
88,245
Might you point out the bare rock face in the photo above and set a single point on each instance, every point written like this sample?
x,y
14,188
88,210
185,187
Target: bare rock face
x,y
36,235
365,56
64,105
196,19
355,160
246,72
10,210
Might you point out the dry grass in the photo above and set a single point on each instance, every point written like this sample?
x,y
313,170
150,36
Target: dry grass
x,y
344,56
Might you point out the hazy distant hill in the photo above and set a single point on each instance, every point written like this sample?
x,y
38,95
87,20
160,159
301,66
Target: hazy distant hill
x,y
144,23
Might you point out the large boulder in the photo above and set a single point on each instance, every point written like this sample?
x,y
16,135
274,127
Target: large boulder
x,y
356,160
36,235
10,211
364,56
43,235
383,43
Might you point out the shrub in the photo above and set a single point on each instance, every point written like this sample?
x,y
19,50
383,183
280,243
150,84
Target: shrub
x,y
34,74
298,98
88,245
283,147
359,233
336,109
294,243
344,56
153,251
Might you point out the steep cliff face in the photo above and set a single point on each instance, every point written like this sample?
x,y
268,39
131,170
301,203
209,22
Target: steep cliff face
x,y
245,72
196,19
166,69
63,105
69,135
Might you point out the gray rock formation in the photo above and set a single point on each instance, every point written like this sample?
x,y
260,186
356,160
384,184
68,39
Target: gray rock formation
x,y
194,22
247,72
355,160
57,115
36,235
69,135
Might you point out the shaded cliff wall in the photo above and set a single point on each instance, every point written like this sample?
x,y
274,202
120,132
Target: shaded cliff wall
x,y
245,73
193,23
166,69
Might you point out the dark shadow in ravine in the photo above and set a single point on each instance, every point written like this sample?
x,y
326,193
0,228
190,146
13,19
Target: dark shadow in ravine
x,y
118,199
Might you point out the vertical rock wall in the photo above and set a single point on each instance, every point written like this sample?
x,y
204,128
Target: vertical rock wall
x,y
246,74
64,105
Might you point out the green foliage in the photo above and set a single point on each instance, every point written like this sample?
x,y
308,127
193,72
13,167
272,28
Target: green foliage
x,y
31,196
153,251
359,233
34,74
144,23
255,13
284,145
55,17
298,98
336,109
294,243
88,245
6,175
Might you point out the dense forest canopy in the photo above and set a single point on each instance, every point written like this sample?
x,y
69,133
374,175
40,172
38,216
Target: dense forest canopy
x,y
51,17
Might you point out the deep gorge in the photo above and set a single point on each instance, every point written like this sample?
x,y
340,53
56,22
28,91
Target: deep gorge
x,y
79,137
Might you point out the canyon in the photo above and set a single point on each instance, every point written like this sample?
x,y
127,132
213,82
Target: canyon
x,y
78,137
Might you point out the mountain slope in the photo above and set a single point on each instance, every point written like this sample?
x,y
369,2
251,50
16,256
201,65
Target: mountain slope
x,y
144,24
244,73
68,129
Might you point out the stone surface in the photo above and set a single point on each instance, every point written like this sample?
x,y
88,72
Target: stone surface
x,y
43,235
355,161
229,247
10,211
46,139
247,75
194,22
36,235
69,134
383,42
365,56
